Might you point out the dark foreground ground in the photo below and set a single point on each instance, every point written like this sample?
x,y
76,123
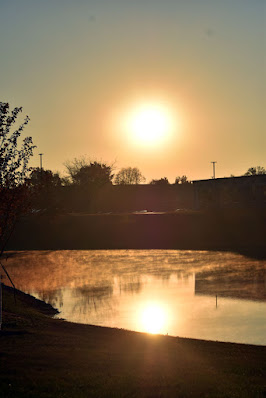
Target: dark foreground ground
x,y
43,357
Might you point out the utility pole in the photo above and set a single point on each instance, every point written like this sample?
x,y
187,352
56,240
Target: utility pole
x,y
40,154
213,167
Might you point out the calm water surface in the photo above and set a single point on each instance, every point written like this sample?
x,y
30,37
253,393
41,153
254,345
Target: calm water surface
x,y
200,294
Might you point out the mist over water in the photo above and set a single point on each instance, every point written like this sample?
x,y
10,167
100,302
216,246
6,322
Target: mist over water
x,y
199,294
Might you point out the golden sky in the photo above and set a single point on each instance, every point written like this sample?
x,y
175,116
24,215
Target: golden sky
x,y
82,68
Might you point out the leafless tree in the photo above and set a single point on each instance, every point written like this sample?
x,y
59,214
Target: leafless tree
x,y
129,176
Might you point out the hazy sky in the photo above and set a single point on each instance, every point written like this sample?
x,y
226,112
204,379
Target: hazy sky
x,y
78,67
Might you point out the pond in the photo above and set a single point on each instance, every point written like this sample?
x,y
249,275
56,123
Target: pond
x,y
198,294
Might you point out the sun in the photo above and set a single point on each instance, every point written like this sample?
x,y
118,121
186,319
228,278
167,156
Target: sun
x,y
149,124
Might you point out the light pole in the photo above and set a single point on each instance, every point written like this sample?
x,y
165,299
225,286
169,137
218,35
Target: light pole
x,y
40,154
213,167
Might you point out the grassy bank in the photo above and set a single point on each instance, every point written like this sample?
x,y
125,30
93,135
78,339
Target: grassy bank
x,y
43,357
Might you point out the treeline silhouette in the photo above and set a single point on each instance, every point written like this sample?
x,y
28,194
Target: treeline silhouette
x,y
89,187
93,187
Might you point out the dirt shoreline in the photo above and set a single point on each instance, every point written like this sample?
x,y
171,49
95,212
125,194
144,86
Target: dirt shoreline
x,y
45,357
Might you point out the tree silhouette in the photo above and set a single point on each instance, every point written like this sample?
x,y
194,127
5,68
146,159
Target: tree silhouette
x,y
14,170
252,171
129,176
87,174
43,179
84,181
45,187
73,167
93,175
161,181
182,180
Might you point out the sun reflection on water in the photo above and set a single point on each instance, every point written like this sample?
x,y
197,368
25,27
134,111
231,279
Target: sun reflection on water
x,y
153,318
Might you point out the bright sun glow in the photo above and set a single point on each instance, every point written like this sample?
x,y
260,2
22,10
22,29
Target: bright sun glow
x,y
149,124
153,318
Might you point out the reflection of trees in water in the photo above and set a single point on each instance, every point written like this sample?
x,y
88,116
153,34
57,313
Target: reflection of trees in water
x,y
163,274
248,282
132,286
180,275
53,297
45,271
92,299
95,291
49,272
